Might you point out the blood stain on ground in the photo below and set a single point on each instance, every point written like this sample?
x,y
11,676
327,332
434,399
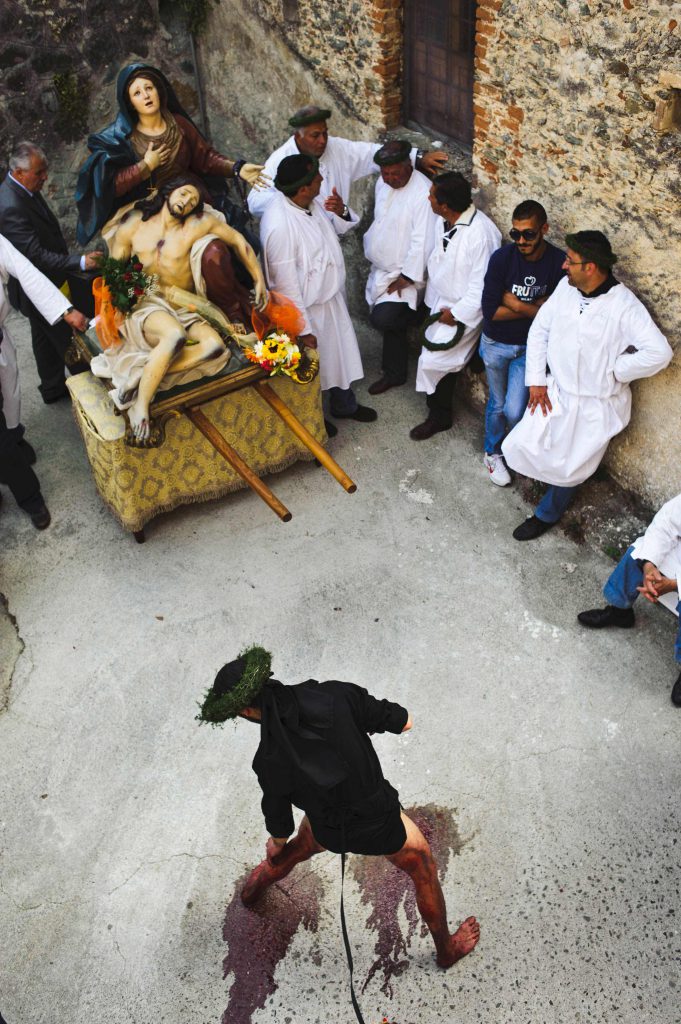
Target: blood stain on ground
x,y
385,888
259,939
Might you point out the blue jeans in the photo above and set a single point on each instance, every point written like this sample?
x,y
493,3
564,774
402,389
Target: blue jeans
x,y
620,590
554,503
505,366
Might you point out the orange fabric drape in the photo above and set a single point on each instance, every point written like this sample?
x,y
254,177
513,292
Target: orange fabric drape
x,y
280,314
107,318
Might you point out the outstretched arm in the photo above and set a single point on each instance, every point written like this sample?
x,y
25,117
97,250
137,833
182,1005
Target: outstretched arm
x,y
236,241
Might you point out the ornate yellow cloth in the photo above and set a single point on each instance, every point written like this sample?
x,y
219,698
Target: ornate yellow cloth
x,y
139,483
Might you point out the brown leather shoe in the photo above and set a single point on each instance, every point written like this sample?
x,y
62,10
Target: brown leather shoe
x,y
383,384
426,429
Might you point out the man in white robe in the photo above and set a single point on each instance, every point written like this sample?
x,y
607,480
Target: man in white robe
x,y
397,245
16,455
464,240
303,260
652,567
341,163
596,337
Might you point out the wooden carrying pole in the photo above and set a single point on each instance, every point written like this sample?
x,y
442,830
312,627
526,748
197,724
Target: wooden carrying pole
x,y
294,424
218,442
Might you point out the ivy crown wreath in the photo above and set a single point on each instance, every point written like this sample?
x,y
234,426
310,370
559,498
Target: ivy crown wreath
x,y
126,281
218,706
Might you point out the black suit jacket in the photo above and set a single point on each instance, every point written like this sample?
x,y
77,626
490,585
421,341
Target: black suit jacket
x,y
33,229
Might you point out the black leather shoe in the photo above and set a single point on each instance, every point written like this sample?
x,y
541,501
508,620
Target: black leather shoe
x,y
597,618
424,430
676,692
41,518
362,413
331,428
55,396
531,528
27,451
379,387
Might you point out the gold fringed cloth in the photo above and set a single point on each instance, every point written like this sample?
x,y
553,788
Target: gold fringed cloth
x,y
139,483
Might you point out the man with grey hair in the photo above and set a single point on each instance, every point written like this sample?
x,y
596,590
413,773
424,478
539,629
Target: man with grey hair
x,y
28,223
341,162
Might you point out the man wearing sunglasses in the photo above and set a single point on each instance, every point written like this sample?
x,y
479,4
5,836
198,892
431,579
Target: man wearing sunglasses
x,y
595,337
519,279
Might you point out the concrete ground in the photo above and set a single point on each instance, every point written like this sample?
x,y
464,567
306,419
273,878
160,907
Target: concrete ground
x,y
544,761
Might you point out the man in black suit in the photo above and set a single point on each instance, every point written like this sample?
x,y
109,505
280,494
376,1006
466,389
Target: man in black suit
x,y
29,224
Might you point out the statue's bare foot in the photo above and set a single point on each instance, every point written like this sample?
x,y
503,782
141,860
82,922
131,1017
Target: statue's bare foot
x,y
138,414
464,939
258,880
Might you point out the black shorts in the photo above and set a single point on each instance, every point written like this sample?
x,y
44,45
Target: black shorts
x,y
375,828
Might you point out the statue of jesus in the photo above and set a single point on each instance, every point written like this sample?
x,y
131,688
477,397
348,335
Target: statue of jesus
x,y
163,343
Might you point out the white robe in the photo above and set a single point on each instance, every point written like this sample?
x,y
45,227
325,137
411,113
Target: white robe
x,y
455,278
588,381
661,545
303,260
341,164
397,241
48,300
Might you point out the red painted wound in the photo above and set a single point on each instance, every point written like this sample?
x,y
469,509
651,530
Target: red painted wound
x,y
385,888
259,938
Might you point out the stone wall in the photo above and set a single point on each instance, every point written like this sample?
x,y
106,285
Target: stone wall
x,y
58,65
568,95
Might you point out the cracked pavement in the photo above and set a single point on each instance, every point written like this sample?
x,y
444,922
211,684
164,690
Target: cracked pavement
x,y
124,826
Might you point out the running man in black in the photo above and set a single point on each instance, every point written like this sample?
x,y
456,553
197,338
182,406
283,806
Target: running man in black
x,y
315,754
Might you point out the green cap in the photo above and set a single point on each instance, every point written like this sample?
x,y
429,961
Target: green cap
x,y
309,115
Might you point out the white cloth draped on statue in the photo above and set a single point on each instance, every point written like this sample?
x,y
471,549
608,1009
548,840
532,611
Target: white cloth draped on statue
x,y
124,364
588,376
303,260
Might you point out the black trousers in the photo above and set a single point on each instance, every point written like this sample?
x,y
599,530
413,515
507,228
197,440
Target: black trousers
x,y
394,319
440,402
15,470
50,343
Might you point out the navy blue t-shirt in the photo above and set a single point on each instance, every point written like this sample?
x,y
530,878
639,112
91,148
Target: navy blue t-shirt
x,y
508,271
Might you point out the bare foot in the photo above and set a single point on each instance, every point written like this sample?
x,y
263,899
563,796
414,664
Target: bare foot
x,y
464,939
258,880
138,414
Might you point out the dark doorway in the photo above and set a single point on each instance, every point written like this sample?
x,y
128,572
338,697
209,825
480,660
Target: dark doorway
x,y
439,41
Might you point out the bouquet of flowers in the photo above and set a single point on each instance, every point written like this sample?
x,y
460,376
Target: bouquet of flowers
x,y
125,280
121,285
276,353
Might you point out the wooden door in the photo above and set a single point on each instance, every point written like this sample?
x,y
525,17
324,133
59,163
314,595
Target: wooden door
x,y
439,44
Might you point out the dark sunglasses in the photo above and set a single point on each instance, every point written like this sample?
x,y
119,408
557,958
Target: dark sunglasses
x,y
528,235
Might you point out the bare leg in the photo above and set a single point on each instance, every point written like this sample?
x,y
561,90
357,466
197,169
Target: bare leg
x,y
300,848
416,859
207,345
167,337
163,332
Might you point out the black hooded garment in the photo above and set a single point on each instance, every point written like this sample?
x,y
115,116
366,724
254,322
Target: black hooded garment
x,y
315,753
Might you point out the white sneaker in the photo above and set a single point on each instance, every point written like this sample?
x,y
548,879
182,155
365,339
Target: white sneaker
x,y
498,472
